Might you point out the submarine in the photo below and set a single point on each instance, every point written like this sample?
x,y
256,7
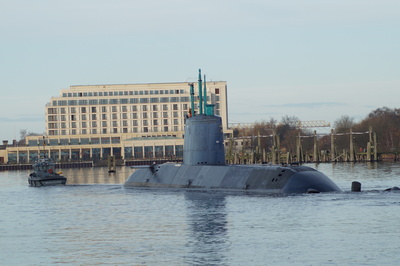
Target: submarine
x,y
204,166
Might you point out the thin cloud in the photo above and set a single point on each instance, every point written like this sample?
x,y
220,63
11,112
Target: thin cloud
x,y
21,119
307,105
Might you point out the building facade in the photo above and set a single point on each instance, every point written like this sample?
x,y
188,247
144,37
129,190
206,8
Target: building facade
x,y
128,121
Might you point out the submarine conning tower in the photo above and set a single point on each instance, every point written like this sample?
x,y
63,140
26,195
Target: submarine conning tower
x,y
204,142
204,138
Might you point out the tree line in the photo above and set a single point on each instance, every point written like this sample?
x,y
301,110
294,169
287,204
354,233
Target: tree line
x,y
385,123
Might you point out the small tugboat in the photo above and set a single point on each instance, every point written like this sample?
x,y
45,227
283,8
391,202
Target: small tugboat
x,y
44,174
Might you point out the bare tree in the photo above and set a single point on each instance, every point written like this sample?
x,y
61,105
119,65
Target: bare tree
x,y
343,124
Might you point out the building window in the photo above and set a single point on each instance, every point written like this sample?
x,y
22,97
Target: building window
x,y
73,118
115,130
52,111
145,129
216,90
165,107
105,140
73,124
94,124
165,129
144,115
165,121
52,118
134,116
104,109
134,108
124,130
144,108
114,116
124,116
176,122
155,108
83,117
104,123
52,125
174,107
104,130
134,123
155,115
165,114
114,108
84,124
93,109
114,123
145,123
124,108
84,131
155,122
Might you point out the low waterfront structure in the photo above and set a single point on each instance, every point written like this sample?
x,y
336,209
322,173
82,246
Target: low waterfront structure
x,y
128,121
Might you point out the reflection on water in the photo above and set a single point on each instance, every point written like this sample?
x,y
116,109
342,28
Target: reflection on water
x,y
93,220
207,218
96,175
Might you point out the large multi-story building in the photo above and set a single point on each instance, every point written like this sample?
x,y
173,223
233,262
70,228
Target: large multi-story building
x,y
129,121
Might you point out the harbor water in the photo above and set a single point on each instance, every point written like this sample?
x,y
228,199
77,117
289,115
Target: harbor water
x,y
94,221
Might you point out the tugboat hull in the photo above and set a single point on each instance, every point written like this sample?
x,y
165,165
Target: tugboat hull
x,y
47,182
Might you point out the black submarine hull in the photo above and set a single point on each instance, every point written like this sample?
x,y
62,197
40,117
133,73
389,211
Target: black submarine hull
x,y
204,163
268,178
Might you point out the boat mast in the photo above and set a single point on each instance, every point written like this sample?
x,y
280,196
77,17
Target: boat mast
x,y
205,96
191,99
200,94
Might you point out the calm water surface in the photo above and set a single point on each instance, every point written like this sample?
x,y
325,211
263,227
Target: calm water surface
x,y
93,220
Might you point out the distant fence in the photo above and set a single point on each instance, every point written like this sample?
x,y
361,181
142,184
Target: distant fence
x,y
6,167
150,162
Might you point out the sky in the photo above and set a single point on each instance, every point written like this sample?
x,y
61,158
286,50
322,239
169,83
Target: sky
x,y
312,59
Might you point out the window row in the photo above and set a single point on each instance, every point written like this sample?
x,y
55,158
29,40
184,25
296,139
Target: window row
x,y
121,101
123,116
115,109
125,130
121,93
123,123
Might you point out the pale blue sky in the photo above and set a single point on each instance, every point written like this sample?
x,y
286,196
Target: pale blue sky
x,y
317,60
